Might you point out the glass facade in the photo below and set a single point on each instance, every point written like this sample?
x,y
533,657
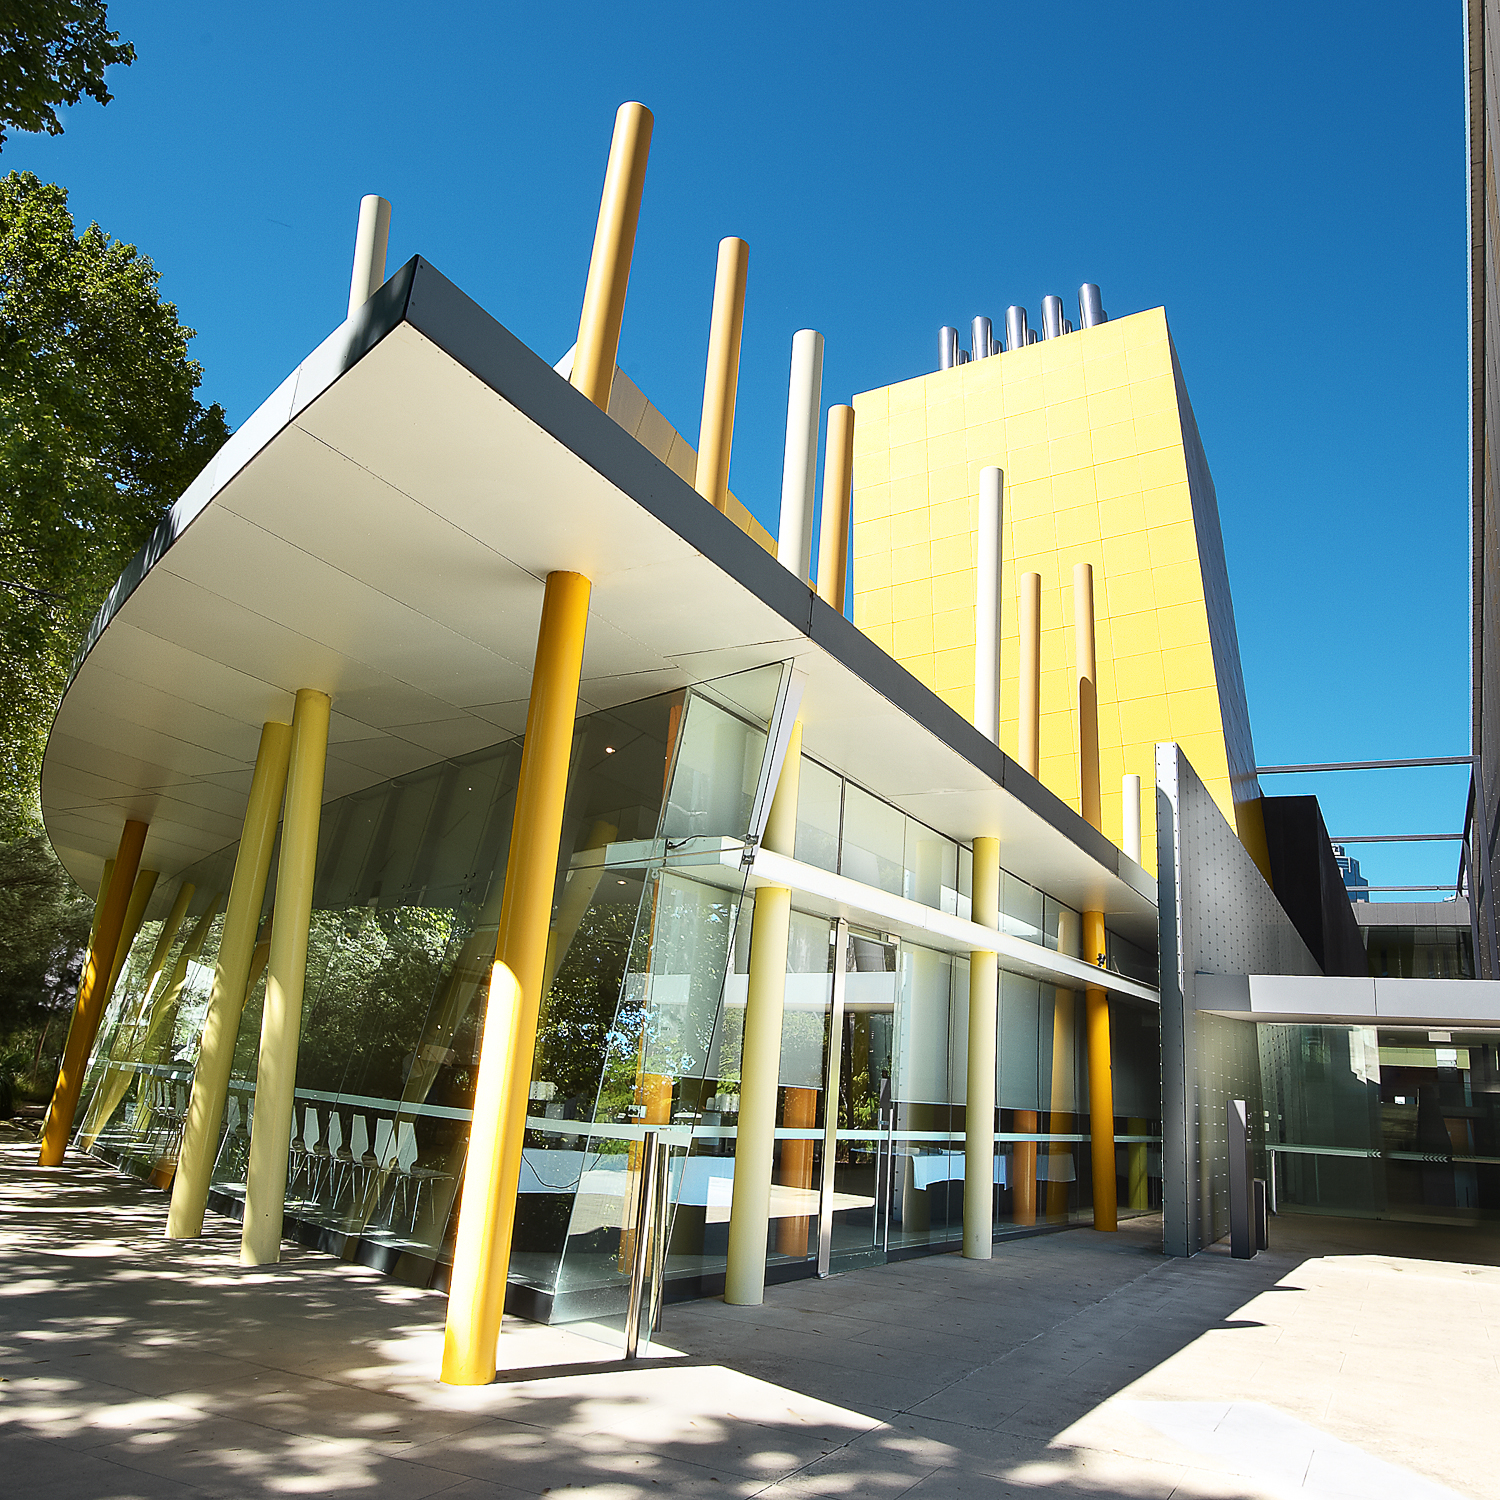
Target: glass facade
x,y
1384,1123
641,1025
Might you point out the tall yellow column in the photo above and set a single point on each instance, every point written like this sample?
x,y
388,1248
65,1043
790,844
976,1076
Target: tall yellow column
x,y
135,913
90,1005
721,381
838,497
286,972
1029,730
760,1057
481,1251
979,1105
609,266
116,1081
247,892
164,940
1096,1000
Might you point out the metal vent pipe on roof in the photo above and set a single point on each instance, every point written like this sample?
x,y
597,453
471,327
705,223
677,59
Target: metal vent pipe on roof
x,y
1015,328
1052,318
947,348
963,356
996,347
983,337
1032,336
1091,306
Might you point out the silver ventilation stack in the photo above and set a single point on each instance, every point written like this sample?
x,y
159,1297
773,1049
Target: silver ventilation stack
x,y
1091,306
1015,328
1052,318
947,348
984,336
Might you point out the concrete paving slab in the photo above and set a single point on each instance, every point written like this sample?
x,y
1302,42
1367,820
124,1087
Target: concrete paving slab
x,y
1070,1365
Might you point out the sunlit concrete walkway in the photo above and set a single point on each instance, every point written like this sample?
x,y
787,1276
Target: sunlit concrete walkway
x,y
1071,1365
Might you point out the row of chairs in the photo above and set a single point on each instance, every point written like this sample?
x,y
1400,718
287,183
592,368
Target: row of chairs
x,y
326,1166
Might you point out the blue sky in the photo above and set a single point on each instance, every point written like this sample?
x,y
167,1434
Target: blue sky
x,y
1288,180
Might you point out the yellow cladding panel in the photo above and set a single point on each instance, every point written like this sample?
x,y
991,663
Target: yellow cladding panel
x,y
1089,432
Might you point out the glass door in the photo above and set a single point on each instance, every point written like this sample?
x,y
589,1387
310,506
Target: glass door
x,y
859,1141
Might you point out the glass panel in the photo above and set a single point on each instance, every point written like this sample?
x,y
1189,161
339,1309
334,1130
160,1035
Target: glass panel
x,y
931,868
862,1168
715,773
927,1160
874,842
671,1057
820,806
1020,908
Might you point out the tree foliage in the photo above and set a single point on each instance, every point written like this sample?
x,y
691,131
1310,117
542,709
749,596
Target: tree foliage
x,y
53,52
100,431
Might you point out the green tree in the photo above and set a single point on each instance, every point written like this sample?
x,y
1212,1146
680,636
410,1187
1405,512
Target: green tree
x,y
53,52
100,431
44,926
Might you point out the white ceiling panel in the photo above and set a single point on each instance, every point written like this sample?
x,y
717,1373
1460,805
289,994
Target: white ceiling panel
x,y
388,547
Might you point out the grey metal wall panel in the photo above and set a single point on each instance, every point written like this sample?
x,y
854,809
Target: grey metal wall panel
x,y
1217,916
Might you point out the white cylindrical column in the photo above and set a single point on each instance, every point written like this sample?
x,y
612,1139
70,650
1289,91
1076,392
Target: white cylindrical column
x,y
369,250
799,469
987,607
979,1097
1130,816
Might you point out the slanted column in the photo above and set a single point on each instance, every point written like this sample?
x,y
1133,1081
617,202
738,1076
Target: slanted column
x,y
286,972
135,913
90,1004
609,265
481,1251
722,378
838,497
1096,998
760,1059
1029,729
979,1100
799,469
247,891
126,1050
1028,753
368,274
987,607
1130,816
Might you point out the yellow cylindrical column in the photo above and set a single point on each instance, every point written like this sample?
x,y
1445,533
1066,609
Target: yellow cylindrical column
x,y
1096,1000
760,1057
609,266
1029,732
221,1025
1138,1187
979,1103
481,1252
838,492
721,382
164,940
90,1003
167,993
114,1084
135,913
286,972
1101,1097
1088,696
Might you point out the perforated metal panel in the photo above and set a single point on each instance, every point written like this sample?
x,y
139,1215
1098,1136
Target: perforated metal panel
x,y
1218,916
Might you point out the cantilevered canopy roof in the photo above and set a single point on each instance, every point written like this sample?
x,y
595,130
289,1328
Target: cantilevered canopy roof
x,y
381,529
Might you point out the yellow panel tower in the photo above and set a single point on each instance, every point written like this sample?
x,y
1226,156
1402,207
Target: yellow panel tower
x,y
1103,464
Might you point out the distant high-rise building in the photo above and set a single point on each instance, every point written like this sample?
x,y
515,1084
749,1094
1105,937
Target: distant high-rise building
x,y
1355,883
